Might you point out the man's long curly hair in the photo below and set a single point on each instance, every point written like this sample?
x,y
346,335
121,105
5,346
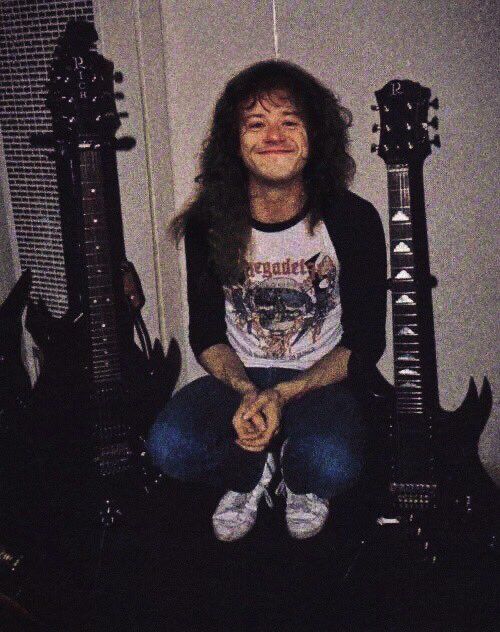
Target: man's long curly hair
x,y
221,201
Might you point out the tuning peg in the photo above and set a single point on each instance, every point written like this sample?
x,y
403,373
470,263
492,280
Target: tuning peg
x,y
436,141
375,128
434,103
124,143
375,108
374,148
434,122
119,96
118,77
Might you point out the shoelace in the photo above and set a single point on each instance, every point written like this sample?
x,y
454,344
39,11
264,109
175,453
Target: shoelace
x,y
312,498
281,489
267,496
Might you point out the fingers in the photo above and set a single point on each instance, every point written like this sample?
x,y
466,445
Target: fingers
x,y
258,441
250,446
250,427
267,400
254,444
254,407
257,420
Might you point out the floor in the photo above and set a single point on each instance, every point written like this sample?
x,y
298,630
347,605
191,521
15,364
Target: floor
x,y
160,568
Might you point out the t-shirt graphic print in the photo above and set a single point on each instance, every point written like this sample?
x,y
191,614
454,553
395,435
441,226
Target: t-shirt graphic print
x,y
287,311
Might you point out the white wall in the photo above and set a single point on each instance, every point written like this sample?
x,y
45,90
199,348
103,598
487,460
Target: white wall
x,y
355,47
177,56
131,36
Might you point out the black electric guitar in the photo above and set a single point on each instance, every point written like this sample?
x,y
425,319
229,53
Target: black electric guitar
x,y
98,392
435,474
15,386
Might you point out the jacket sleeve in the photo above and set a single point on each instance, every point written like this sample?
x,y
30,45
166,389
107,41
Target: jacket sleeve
x,y
207,325
363,288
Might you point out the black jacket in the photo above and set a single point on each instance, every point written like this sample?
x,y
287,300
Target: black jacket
x,y
356,232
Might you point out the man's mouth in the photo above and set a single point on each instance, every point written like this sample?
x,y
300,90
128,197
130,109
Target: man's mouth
x,y
276,151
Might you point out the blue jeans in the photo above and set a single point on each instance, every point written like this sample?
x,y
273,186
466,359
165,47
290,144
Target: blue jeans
x,y
193,438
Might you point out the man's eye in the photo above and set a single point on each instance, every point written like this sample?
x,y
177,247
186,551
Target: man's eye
x,y
254,125
290,123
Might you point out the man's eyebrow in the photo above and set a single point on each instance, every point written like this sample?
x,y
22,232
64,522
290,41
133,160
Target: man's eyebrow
x,y
285,113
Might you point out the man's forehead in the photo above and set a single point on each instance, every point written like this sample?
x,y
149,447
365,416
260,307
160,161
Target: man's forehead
x,y
276,98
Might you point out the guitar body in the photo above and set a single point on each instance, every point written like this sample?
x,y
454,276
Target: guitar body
x,y
15,384
91,440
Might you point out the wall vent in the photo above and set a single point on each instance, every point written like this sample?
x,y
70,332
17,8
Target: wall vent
x,y
28,33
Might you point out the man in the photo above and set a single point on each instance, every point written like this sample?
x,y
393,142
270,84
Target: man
x,y
286,274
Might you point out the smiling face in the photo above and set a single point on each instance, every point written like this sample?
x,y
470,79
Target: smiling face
x,y
273,138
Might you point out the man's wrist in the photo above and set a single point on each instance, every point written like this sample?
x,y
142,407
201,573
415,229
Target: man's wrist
x,y
289,390
246,388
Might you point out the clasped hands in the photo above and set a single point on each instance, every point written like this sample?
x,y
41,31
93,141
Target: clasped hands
x,y
258,418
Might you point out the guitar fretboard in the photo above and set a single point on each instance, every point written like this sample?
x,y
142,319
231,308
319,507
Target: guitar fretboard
x,y
405,308
105,357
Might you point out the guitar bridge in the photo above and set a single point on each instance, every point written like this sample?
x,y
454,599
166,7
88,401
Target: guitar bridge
x,y
414,494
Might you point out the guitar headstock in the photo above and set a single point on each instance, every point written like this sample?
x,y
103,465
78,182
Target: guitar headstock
x,y
81,95
404,126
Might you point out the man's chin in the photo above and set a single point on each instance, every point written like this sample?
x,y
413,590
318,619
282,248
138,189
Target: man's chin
x,y
277,179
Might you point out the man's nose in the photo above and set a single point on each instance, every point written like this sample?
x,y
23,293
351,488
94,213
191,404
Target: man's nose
x,y
274,133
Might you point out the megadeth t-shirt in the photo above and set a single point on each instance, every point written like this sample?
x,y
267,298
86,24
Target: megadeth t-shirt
x,y
287,311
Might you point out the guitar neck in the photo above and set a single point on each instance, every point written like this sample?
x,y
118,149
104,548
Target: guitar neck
x,y
103,334
415,375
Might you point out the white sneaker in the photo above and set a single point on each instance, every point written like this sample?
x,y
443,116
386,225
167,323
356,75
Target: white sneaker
x,y
236,512
306,514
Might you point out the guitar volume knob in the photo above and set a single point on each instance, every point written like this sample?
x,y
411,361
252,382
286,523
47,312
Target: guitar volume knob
x,y
436,141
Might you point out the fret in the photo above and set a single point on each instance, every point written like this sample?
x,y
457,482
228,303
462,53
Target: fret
x,y
406,343
98,326
100,363
110,345
106,379
405,331
110,371
409,407
98,286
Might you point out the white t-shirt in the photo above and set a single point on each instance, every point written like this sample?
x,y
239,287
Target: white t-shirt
x,y
287,312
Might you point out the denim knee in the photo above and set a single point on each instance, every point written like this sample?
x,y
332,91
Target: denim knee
x,y
173,450
323,465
